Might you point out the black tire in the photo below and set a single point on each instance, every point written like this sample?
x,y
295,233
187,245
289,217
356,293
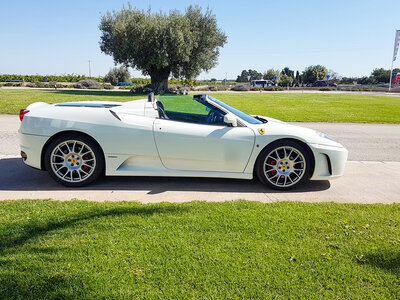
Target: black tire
x,y
283,173
93,162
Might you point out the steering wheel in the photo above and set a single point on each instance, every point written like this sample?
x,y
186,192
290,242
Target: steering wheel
x,y
214,117
210,117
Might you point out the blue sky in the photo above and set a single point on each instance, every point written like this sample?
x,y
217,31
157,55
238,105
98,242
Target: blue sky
x,y
350,37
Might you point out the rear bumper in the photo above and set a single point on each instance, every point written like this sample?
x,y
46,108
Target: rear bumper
x,y
329,161
32,146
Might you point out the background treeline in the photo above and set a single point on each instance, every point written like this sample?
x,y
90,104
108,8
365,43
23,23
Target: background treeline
x,y
288,77
41,78
285,77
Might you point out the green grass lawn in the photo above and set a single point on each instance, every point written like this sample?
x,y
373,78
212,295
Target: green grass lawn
x,y
284,106
235,250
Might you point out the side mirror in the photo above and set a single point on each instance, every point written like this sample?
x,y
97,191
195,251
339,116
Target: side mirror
x,y
230,119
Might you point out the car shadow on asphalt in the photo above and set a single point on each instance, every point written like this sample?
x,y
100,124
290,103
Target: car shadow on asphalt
x,y
16,176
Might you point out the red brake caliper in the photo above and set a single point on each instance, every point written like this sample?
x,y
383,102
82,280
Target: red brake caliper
x,y
271,162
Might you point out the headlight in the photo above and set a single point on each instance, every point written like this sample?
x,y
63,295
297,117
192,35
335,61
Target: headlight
x,y
321,134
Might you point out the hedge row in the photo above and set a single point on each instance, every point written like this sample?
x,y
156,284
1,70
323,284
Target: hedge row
x,y
40,78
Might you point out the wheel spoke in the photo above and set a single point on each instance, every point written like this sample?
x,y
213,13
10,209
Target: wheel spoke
x,y
60,168
87,165
297,176
291,151
84,171
59,149
69,149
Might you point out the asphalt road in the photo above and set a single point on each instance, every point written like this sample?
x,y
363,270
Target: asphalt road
x,y
372,175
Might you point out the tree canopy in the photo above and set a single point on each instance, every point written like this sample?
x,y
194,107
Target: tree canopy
x,y
271,73
314,73
243,76
160,44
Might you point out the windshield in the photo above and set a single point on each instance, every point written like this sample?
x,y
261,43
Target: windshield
x,y
240,114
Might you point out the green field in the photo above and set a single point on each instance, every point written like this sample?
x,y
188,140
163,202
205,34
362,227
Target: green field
x,y
305,107
234,250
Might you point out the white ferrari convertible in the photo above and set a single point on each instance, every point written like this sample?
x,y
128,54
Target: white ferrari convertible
x,y
77,142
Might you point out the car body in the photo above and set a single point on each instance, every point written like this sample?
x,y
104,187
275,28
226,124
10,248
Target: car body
x,y
324,83
208,138
261,83
124,84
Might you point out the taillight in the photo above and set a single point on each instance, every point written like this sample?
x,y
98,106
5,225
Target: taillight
x,y
22,113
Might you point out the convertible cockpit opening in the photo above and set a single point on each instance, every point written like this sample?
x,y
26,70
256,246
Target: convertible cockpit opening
x,y
201,109
191,110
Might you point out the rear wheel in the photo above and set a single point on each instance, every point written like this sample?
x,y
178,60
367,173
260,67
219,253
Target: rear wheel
x,y
74,160
283,165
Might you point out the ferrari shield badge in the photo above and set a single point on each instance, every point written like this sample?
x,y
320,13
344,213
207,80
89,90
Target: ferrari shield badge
x,y
261,131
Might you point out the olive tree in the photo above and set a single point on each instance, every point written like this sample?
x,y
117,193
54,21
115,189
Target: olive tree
x,y
160,44
116,75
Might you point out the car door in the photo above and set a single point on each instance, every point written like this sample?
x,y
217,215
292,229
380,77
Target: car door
x,y
203,147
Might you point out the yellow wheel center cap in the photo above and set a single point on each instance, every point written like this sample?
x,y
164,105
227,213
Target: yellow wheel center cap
x,y
284,167
73,161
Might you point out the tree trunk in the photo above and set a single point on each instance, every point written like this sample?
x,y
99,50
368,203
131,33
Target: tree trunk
x,y
159,80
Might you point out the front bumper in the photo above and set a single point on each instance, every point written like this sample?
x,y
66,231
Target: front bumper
x,y
32,146
330,161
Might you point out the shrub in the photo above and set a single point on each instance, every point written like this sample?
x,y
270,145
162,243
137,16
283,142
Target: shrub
x,y
107,86
78,85
140,81
142,89
218,87
256,89
201,89
325,89
178,89
13,84
241,88
88,84
116,75
273,88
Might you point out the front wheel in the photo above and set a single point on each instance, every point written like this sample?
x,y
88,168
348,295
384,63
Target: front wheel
x,y
283,165
74,160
